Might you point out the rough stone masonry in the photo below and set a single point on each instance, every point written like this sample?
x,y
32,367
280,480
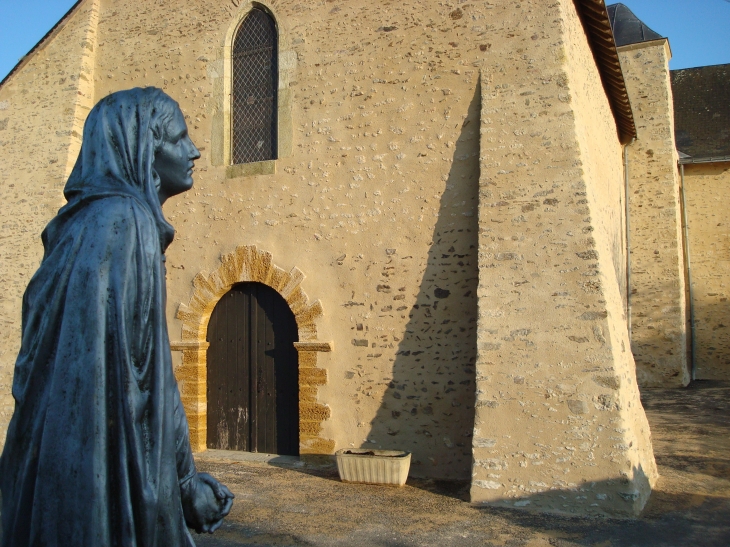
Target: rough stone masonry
x,y
446,198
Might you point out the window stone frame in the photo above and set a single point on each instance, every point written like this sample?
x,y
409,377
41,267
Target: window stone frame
x,y
220,72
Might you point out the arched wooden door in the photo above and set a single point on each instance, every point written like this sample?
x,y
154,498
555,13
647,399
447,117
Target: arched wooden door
x,y
253,372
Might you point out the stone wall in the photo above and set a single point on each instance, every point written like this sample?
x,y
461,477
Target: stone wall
x,y
376,204
706,188
42,108
376,211
657,292
553,349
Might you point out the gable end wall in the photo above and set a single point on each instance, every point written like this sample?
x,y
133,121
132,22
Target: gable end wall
x,y
42,109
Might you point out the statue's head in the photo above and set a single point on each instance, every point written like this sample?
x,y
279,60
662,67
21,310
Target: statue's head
x,y
175,153
136,137
135,141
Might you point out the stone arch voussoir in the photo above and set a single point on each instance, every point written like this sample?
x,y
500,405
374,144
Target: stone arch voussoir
x,y
248,263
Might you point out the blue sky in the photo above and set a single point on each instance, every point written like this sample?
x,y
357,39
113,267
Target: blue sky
x,y
698,30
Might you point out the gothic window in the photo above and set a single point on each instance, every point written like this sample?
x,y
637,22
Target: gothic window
x,y
255,87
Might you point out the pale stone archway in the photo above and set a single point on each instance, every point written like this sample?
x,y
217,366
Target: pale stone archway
x,y
247,263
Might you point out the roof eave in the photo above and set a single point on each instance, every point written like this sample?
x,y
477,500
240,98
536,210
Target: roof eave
x,y
598,28
710,159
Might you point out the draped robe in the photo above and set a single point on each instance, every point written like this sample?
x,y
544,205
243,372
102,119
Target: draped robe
x,y
98,444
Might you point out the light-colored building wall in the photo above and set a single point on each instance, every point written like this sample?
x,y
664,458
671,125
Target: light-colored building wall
x,y
553,348
369,224
707,189
42,109
376,204
657,289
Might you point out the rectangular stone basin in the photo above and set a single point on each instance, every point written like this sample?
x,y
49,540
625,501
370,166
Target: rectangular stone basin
x,y
371,466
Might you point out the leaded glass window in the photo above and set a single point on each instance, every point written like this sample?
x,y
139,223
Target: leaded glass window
x,y
254,93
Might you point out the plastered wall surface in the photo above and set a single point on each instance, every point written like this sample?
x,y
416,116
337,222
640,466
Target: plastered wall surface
x,y
553,350
706,187
657,299
375,200
42,108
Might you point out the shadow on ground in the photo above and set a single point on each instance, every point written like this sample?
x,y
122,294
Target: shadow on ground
x,y
690,504
307,506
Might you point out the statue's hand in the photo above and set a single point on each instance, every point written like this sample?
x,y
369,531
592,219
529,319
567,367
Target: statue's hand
x,y
206,502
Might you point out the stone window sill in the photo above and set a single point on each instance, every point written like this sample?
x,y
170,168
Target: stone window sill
x,y
251,169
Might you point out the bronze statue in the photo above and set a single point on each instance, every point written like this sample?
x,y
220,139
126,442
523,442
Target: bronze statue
x,y
97,451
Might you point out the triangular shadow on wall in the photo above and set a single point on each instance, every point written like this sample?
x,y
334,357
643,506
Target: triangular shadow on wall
x,y
428,407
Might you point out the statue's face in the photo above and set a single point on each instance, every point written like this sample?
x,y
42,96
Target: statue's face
x,y
175,158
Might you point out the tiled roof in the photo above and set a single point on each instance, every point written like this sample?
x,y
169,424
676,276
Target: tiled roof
x,y
702,110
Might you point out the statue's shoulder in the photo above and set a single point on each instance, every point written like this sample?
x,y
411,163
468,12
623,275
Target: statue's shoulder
x,y
114,208
106,219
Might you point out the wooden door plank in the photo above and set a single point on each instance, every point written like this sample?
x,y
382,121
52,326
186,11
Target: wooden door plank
x,y
212,383
260,365
243,318
253,386
216,390
224,425
227,373
238,376
251,368
287,380
269,299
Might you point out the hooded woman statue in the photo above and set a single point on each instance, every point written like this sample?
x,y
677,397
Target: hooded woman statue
x,y
97,451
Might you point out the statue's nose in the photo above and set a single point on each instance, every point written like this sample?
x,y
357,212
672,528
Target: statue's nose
x,y
194,153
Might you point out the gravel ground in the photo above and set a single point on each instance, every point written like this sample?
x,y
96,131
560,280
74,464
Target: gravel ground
x,y
286,503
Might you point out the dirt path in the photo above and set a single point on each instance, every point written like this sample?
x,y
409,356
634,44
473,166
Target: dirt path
x,y
295,505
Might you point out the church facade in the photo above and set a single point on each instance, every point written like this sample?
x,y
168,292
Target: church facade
x,y
409,229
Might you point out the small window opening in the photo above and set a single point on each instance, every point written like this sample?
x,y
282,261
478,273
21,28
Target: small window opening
x,y
255,87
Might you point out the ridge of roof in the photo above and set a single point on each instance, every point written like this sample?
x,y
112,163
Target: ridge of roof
x,y
716,65
41,42
600,33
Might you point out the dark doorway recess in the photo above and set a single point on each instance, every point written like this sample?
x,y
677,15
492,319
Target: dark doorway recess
x,y
253,372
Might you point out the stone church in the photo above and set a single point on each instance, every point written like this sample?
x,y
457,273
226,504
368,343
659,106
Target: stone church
x,y
457,228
